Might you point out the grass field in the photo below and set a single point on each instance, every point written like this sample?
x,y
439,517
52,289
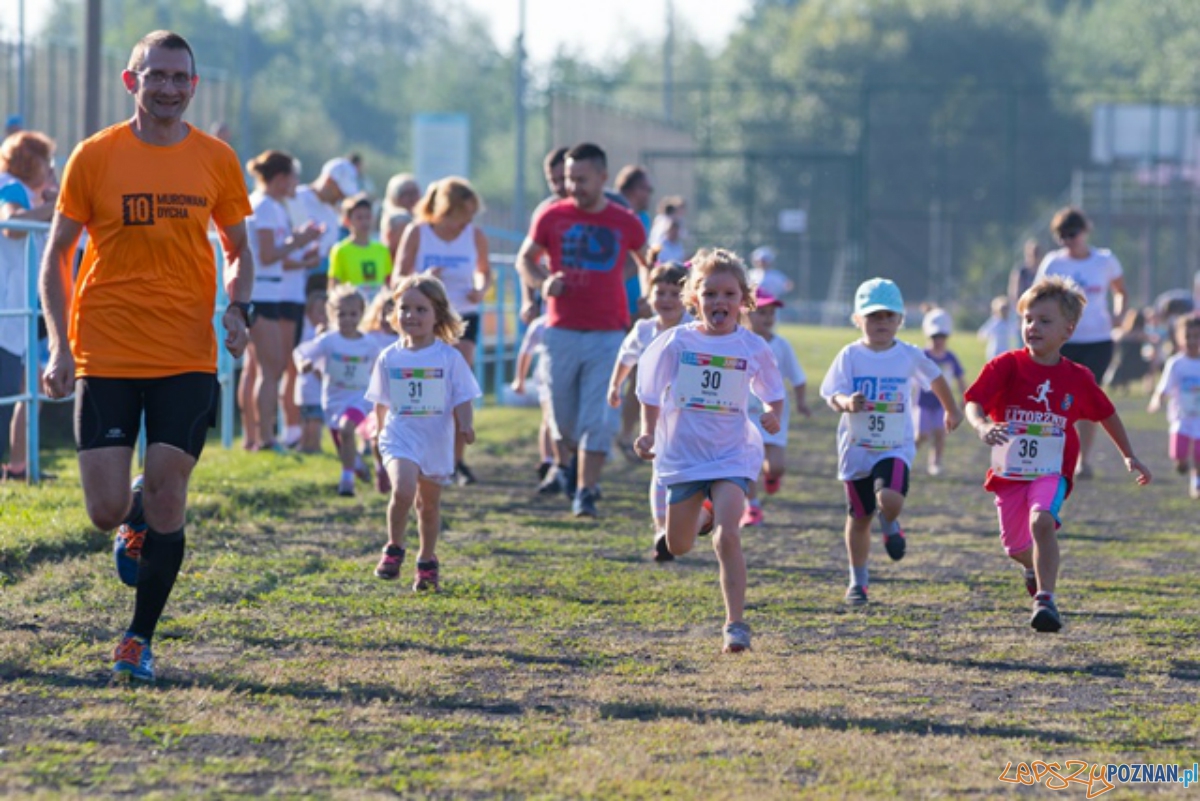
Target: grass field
x,y
560,662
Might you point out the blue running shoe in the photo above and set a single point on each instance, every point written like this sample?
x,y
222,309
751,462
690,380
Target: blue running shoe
x,y
133,660
131,535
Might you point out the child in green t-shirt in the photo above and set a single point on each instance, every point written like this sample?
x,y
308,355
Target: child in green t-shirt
x,y
358,259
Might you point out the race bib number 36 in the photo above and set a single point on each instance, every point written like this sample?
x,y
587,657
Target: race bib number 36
x,y
879,426
417,392
707,383
1032,451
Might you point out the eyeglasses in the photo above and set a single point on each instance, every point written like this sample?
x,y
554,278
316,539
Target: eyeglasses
x,y
159,79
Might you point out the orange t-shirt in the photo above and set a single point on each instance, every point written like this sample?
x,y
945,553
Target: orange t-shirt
x,y
144,297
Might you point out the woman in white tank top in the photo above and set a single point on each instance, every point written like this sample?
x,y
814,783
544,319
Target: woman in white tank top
x,y
443,241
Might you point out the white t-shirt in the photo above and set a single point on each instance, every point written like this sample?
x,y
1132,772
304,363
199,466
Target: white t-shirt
x,y
13,294
345,366
771,281
1094,275
308,385
703,385
312,208
999,335
384,339
640,336
884,377
269,215
1180,385
534,344
793,373
421,389
455,262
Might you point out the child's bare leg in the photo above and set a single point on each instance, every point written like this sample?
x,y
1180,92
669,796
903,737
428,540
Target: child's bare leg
x,y
891,504
403,475
347,444
1023,558
939,446
774,462
245,396
1045,550
310,439
658,503
858,540
429,518
728,500
545,440
683,521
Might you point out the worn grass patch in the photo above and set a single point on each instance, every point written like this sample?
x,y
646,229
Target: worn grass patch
x,y
560,662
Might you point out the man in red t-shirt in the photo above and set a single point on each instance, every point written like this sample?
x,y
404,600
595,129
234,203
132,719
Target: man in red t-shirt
x,y
593,246
1025,405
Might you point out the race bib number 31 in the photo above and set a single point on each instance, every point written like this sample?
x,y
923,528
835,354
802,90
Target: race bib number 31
x,y
1032,451
707,383
879,426
417,392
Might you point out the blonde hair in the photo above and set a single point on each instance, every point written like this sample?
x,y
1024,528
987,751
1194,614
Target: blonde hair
x,y
376,315
1062,290
999,304
21,150
668,273
343,292
445,197
447,325
710,261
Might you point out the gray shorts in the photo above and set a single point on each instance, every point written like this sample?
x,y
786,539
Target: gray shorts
x,y
678,493
578,366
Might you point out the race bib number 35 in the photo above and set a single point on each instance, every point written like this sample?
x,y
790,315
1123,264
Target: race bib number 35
x,y
1032,451
716,384
879,426
417,392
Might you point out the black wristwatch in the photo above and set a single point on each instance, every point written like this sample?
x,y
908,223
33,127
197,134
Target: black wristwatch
x,y
249,313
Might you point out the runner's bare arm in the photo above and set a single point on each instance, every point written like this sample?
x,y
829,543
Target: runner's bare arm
x,y
989,432
239,262
54,286
529,264
643,446
1116,432
941,388
406,255
483,268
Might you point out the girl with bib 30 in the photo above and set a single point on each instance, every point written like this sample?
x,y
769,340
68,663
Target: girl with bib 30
x,y
694,383
870,382
422,389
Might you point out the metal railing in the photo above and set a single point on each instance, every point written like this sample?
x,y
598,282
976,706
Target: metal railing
x,y
31,396
500,337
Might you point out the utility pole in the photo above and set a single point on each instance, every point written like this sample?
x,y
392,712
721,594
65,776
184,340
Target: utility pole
x,y
92,64
668,65
245,144
519,99
21,110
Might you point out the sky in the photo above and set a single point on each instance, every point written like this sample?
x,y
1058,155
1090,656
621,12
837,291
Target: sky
x,y
550,24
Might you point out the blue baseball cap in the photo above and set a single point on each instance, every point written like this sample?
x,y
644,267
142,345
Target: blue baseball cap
x,y
878,294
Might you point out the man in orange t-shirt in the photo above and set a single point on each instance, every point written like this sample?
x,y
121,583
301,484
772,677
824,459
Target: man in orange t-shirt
x,y
139,319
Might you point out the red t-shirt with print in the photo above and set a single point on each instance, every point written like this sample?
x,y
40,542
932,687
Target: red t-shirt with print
x,y
590,249
1014,388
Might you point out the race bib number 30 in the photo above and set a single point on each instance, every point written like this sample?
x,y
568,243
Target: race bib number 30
x,y
1032,451
879,426
417,392
707,383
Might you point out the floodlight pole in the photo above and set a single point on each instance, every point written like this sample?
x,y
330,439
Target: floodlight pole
x,y
21,61
519,100
92,67
668,65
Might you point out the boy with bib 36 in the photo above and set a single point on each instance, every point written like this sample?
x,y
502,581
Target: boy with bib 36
x,y
1025,405
870,383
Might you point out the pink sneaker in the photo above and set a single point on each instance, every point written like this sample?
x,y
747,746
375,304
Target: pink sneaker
x,y
752,516
772,485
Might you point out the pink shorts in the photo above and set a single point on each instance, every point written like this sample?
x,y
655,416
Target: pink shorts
x,y
1184,448
358,418
1016,502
